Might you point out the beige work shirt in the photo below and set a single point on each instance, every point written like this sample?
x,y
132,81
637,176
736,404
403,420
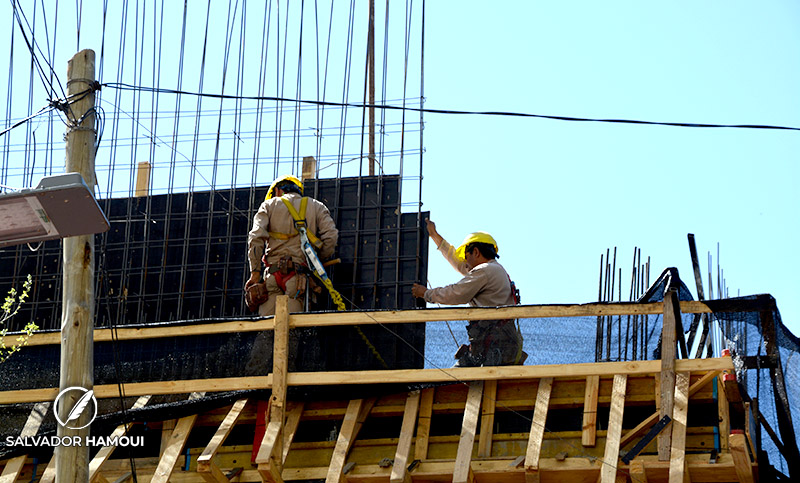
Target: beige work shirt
x,y
274,216
486,285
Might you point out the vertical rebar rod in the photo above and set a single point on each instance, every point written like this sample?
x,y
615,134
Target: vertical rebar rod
x,y
598,343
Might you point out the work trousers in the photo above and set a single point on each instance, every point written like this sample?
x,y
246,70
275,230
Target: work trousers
x,y
295,304
494,343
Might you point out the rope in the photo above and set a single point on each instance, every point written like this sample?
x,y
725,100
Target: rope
x,y
337,300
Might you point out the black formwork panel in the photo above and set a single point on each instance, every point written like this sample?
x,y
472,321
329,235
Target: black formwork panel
x,y
183,256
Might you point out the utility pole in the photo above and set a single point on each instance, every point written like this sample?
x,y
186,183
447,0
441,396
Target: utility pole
x,y
371,75
77,312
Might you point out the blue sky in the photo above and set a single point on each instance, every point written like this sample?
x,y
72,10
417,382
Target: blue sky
x,y
555,194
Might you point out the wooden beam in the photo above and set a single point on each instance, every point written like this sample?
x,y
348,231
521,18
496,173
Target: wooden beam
x,y
270,453
105,452
166,430
14,466
462,471
667,384
399,376
268,465
534,448
49,473
655,417
608,471
487,419
280,364
741,460
403,452
677,464
380,317
177,440
309,168
142,179
590,411
293,415
637,471
205,464
424,424
724,415
357,412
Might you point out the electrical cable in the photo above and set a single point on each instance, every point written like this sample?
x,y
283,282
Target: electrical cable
x,y
124,86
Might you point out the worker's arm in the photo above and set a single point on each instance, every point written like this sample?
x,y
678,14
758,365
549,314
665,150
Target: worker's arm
x,y
461,292
447,250
256,240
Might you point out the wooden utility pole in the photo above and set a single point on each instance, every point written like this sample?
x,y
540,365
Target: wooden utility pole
x,y
77,312
371,74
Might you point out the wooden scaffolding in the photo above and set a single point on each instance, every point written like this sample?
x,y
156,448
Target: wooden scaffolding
x,y
485,424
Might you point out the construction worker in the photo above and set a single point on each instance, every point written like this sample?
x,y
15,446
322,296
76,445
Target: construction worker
x,y
485,284
275,239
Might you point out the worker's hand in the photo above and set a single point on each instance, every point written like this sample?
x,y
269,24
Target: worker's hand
x,y
431,226
255,277
437,238
418,290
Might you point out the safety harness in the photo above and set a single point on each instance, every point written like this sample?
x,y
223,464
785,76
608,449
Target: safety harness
x,y
309,244
299,221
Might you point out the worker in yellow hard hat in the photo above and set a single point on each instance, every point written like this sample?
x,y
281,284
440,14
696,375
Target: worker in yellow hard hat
x,y
275,242
485,284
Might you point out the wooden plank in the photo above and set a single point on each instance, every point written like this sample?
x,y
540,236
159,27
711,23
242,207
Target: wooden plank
x,y
105,452
487,419
424,424
269,443
399,376
403,452
142,179
385,317
14,466
724,415
293,415
309,168
677,463
655,417
357,412
268,465
49,473
462,471
637,471
177,440
590,411
741,460
667,384
608,471
280,365
534,448
205,466
166,430
211,473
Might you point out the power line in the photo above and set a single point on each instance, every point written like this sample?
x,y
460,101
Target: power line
x,y
124,86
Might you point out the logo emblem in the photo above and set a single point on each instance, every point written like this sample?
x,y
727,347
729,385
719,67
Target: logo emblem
x,y
81,406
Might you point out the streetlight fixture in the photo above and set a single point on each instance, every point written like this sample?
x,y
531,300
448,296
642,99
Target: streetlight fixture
x,y
60,206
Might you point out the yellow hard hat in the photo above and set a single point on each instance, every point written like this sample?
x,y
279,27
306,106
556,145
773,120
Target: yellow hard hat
x,y
477,237
280,180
